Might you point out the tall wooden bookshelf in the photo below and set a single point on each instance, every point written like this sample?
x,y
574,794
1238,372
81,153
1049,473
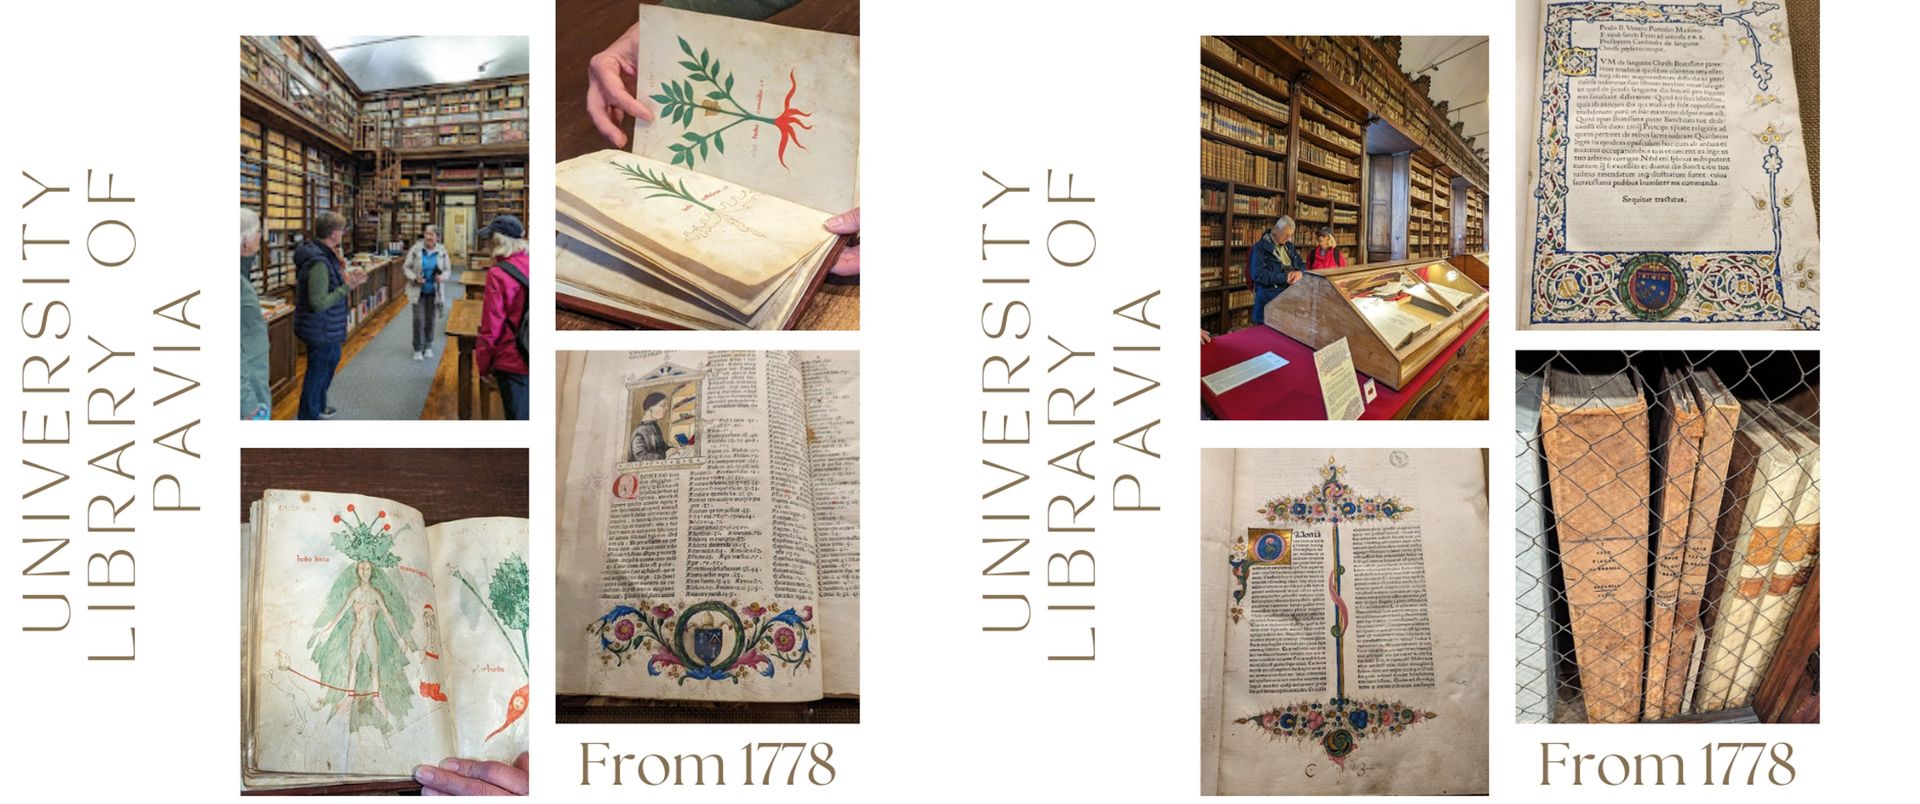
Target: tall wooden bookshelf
x,y
1283,123
310,142
1475,231
481,113
1266,150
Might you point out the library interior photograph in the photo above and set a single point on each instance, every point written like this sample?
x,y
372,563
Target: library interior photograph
x,y
1343,240
383,196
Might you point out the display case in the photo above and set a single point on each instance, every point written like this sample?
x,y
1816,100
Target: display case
x,y
1457,287
1395,322
1476,265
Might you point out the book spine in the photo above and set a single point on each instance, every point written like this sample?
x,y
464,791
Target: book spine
x,y
1764,522
1681,450
1710,482
1533,614
1789,574
1598,472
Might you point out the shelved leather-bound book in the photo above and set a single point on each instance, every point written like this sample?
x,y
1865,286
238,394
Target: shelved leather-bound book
x,y
1719,415
1799,545
1678,455
1751,530
1533,616
1594,431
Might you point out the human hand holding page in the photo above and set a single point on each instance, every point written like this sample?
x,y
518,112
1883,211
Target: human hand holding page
x,y
716,218
374,643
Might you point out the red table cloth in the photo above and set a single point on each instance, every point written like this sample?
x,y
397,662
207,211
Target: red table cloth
x,y
1292,392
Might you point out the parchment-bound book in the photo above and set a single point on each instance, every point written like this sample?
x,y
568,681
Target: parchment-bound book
x,y
715,219
1798,548
1666,177
1532,571
1751,531
1719,415
1677,456
709,540
1344,625
1594,430
373,642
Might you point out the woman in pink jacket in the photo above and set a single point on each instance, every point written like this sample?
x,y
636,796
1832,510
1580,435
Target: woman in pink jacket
x,y
501,354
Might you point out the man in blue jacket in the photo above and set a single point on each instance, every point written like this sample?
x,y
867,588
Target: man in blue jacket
x,y
1273,264
322,287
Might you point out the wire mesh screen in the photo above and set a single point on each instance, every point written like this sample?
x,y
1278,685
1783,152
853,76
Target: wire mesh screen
x,y
1667,525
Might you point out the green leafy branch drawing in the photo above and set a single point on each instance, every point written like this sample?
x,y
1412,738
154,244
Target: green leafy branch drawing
x,y
508,604
664,187
679,100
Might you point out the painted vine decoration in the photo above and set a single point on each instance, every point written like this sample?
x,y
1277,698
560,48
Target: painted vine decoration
x,y
662,186
680,100
707,641
1339,725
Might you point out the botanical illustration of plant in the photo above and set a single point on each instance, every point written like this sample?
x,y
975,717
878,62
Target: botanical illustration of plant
x,y
679,100
659,185
359,634
506,603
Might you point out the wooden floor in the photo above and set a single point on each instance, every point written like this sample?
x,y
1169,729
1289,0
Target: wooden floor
x,y
441,402
1460,393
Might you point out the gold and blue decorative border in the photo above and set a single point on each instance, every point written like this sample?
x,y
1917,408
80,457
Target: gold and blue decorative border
x,y
1723,286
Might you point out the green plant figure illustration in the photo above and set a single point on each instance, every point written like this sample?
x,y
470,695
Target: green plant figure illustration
x,y
359,635
506,603
679,100
664,187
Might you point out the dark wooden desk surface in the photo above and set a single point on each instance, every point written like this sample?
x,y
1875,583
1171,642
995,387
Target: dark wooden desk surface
x,y
585,28
441,483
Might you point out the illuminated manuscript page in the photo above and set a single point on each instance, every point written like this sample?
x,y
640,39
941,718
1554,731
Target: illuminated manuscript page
x,y
1397,702
688,562
1667,179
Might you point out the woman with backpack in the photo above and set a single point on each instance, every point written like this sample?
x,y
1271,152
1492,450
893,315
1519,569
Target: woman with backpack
x,y
500,356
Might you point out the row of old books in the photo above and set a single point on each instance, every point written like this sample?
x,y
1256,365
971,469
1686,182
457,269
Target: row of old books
x,y
1686,523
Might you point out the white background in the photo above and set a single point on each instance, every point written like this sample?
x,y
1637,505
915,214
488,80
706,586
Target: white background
x,y
1103,90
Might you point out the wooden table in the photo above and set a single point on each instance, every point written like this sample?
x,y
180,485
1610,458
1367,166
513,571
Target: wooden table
x,y
442,483
586,28
473,279
463,323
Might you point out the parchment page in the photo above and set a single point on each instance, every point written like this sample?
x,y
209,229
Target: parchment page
x,y
698,228
686,548
787,122
832,382
480,656
1671,182
1216,507
1372,679
338,640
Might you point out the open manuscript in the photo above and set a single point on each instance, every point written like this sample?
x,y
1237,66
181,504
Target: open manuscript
x,y
715,219
1344,622
709,526
373,643
1668,181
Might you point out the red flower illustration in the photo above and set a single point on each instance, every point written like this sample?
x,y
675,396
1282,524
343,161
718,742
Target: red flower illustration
x,y
349,508
783,639
336,517
789,119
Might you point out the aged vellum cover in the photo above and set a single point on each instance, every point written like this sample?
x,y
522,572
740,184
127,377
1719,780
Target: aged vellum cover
x,y
1344,648
373,643
1668,178
709,525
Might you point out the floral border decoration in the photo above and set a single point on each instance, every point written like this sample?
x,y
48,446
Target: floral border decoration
x,y
1339,725
689,644
1597,287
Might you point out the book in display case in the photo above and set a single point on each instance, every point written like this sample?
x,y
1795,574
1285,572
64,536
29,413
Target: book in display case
x,y
1396,317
